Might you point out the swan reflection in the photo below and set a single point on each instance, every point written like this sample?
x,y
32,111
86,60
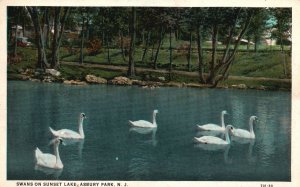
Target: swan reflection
x,y
55,173
80,143
146,131
141,152
215,147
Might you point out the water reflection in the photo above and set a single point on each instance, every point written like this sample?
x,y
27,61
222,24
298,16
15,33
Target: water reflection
x,y
55,173
146,131
216,147
141,152
79,142
249,156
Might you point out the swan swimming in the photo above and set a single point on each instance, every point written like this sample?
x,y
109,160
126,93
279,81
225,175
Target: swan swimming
x,y
145,124
214,127
66,133
216,140
49,160
241,133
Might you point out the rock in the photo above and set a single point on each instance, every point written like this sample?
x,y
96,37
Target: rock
x,y
261,87
47,79
240,86
174,84
121,81
34,80
139,82
53,72
74,82
17,77
95,80
28,72
161,78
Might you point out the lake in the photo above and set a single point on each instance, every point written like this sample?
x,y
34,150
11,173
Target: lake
x,y
113,151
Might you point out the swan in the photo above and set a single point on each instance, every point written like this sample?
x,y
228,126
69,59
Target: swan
x,y
241,133
145,124
214,127
69,134
215,140
48,160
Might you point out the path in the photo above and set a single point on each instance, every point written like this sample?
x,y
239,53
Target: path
x,y
184,73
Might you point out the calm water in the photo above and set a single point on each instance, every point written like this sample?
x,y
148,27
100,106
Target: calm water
x,y
111,151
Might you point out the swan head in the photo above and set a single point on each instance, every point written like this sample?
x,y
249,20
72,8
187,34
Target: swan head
x,y
224,112
229,128
253,118
155,111
56,141
83,116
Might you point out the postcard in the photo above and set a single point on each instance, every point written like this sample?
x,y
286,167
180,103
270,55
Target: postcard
x,y
138,93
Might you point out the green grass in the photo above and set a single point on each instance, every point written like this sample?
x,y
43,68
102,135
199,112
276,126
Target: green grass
x,y
249,64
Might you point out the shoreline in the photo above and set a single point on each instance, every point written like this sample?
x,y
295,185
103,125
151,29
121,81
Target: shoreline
x,y
125,81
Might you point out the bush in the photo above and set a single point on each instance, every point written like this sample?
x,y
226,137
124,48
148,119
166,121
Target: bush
x,y
94,47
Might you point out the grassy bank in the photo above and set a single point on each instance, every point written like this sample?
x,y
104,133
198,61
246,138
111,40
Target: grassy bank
x,y
247,64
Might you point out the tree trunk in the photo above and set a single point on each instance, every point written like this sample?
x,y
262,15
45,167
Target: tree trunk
x,y
170,48
58,35
131,70
16,33
122,45
107,48
224,66
200,54
190,52
211,76
42,60
55,37
146,46
152,53
82,42
170,55
162,33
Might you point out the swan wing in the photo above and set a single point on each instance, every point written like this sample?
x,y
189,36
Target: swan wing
x,y
66,133
241,133
45,159
142,123
211,140
210,127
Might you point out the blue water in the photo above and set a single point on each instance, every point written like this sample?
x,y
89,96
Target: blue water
x,y
111,151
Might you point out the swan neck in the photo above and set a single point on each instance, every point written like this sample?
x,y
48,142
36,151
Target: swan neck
x,y
227,138
154,118
251,127
56,153
222,120
81,127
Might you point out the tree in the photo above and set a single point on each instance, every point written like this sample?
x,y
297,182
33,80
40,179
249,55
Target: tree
x,y
42,61
131,70
35,14
56,42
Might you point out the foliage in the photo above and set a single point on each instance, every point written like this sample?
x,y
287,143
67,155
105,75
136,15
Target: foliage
x,y
94,47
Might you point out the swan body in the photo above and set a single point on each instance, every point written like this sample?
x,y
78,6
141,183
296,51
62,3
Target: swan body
x,y
241,133
69,134
49,160
214,127
145,124
215,140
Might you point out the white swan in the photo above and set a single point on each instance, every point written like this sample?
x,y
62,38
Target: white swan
x,y
241,133
145,124
214,127
215,140
48,160
66,133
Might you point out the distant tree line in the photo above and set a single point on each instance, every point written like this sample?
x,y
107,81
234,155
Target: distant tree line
x,y
147,27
